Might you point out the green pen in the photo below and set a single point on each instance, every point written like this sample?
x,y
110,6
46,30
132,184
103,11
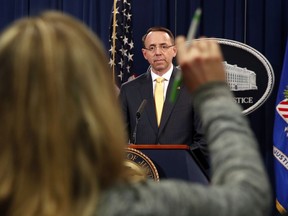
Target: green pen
x,y
190,36
176,83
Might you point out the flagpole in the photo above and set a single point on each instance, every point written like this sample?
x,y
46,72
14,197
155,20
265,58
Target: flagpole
x,y
113,39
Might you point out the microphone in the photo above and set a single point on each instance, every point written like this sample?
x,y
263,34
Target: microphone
x,y
140,109
138,116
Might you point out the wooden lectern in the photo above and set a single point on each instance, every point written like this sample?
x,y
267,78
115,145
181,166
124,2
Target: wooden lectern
x,y
174,162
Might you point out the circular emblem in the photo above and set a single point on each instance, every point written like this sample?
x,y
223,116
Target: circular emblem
x,y
249,74
139,166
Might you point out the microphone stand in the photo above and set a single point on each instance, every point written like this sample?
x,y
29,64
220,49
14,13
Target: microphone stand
x,y
138,115
135,130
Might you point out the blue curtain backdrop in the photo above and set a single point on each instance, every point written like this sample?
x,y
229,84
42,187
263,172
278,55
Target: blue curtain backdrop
x,y
261,24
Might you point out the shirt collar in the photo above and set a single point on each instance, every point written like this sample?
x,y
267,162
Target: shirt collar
x,y
166,76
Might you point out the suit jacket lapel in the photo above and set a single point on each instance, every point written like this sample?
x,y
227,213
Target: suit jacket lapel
x,y
169,106
146,90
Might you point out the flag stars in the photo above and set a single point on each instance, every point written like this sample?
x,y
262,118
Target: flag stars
x,y
112,49
111,62
121,63
116,24
130,57
120,75
128,16
125,40
131,44
121,40
116,11
123,51
114,37
126,27
128,69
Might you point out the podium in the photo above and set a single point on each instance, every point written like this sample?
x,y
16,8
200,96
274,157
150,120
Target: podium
x,y
173,162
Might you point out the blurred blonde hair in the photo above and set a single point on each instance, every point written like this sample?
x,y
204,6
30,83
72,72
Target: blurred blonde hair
x,y
62,138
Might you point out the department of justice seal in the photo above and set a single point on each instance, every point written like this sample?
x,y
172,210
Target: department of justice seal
x,y
140,166
249,74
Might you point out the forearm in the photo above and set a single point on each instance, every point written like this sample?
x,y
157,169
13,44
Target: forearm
x,y
234,151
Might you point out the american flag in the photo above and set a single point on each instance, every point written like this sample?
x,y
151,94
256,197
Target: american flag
x,y
280,148
121,40
282,109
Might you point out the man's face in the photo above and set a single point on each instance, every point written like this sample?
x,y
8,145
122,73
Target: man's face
x,y
159,51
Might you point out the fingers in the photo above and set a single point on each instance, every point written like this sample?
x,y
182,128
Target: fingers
x,y
201,61
211,60
215,50
186,54
181,49
198,50
206,48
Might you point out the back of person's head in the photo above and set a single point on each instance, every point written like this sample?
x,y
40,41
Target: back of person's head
x,y
61,133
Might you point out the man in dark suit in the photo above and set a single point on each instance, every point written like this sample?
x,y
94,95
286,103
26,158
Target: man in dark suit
x,y
177,124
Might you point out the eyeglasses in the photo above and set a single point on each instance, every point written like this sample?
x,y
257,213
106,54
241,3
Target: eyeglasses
x,y
162,47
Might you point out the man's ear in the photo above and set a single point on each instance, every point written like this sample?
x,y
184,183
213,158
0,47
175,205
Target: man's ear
x,y
144,52
175,51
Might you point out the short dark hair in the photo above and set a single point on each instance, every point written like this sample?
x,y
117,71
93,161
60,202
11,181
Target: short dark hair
x,y
158,28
